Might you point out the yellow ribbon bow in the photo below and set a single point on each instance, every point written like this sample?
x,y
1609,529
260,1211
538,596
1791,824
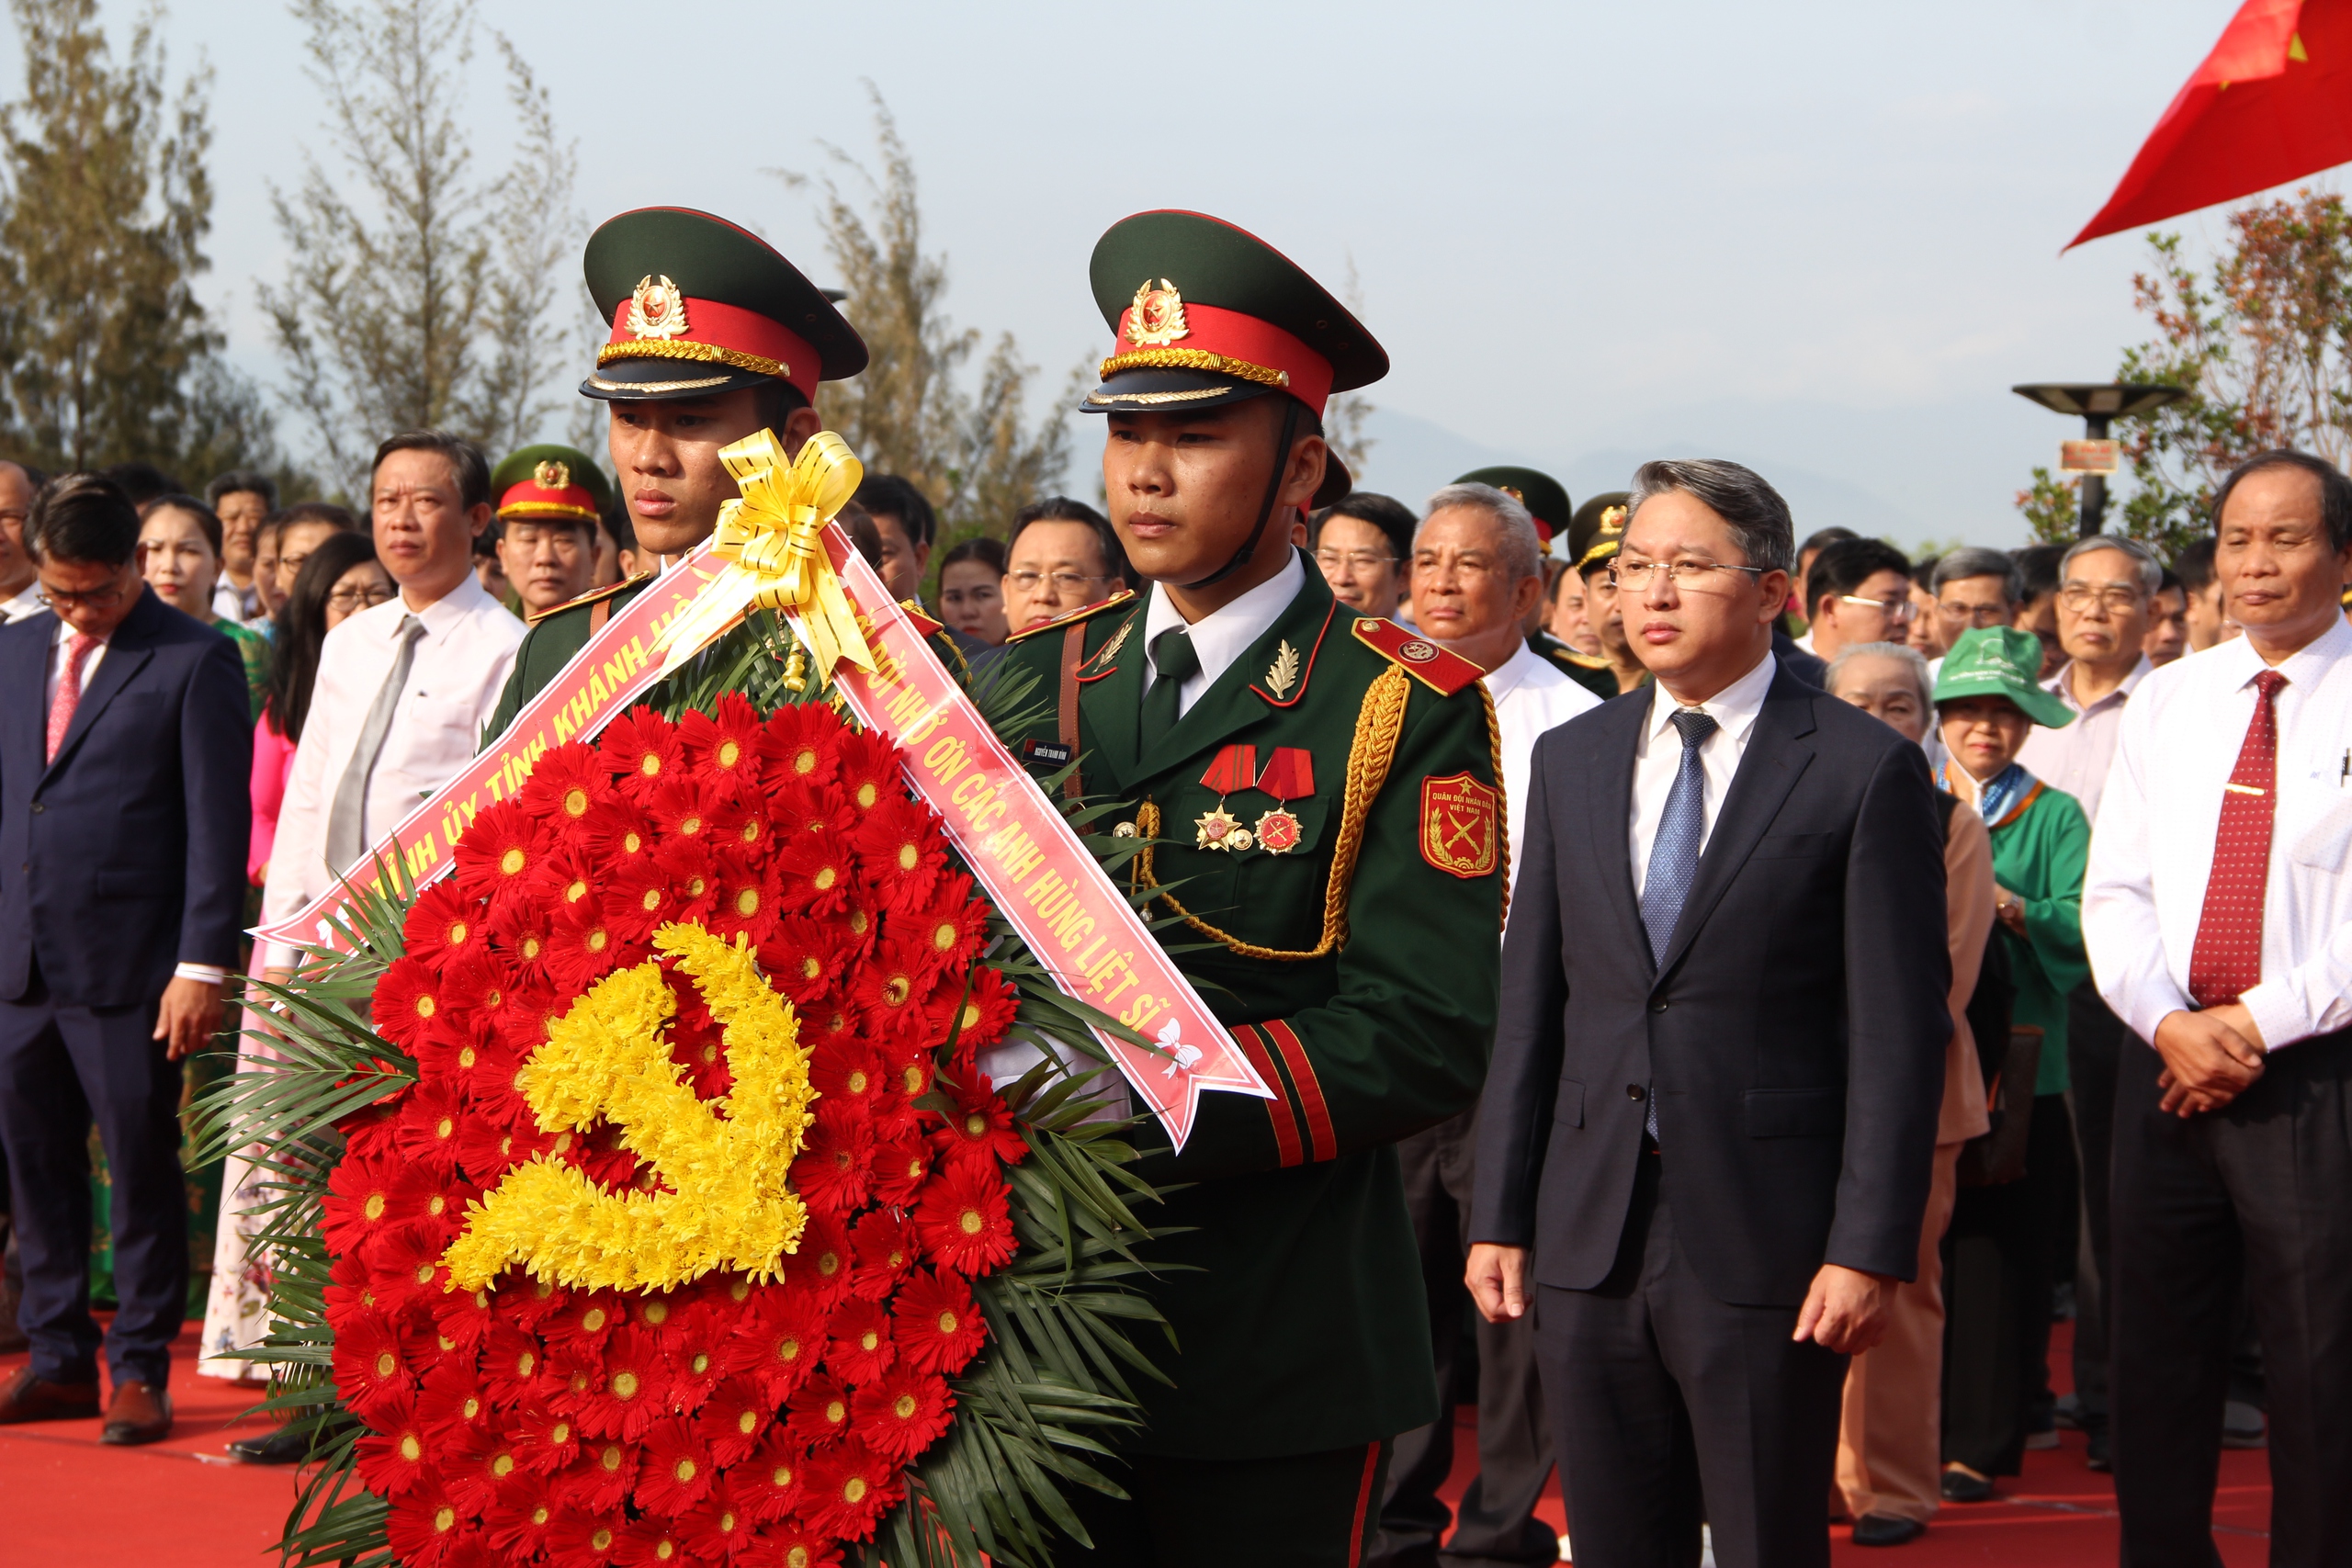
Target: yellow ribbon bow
x,y
771,538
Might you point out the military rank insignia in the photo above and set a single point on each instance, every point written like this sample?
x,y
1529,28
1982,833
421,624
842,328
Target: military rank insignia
x,y
1461,825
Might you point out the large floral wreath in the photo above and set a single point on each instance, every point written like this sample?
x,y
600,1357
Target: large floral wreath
x,y
656,1209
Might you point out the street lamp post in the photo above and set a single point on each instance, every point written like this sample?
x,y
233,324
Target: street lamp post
x,y
2098,403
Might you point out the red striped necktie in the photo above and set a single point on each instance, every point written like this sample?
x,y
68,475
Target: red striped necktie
x,y
2226,962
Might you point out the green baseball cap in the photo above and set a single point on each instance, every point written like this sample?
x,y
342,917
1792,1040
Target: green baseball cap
x,y
2001,661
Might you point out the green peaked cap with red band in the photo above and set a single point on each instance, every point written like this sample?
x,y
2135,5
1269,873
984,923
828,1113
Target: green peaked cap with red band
x,y
551,481
1204,313
1532,487
696,306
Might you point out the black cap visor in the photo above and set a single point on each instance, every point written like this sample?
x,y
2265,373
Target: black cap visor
x,y
649,379
1175,391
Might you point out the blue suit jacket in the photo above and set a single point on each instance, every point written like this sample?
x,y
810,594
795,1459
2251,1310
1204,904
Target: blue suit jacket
x,y
1793,1030
125,857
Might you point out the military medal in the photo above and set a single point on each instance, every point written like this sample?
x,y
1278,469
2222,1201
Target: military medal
x,y
1235,768
1289,775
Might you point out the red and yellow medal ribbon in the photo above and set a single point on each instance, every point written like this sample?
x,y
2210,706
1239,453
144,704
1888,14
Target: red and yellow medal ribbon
x,y
769,537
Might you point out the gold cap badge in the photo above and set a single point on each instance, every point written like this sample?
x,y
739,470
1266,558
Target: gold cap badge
x,y
656,309
552,476
1156,317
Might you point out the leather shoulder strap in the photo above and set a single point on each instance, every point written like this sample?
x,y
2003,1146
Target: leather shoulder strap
x,y
1073,655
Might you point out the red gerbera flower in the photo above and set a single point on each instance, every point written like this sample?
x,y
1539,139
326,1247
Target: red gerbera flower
x,y
599,1481
901,1413
409,1276
428,1127
392,1457
524,1301
433,1201
637,897
850,1487
583,1536
512,1363
425,1525
443,923
831,1026
732,1419
452,1406
748,905
563,876
790,1543
618,833
729,743
636,1391
868,771
547,1440
406,1008
520,931
721,1525
463,1318
674,1470
485,1069
693,882
651,1543
805,739
521,1525
859,1350
779,1344
830,1172
743,823
582,948
814,875
770,1480
900,1165
981,1131
886,1246
950,930
369,1131
985,1012
798,809
890,989
491,1145
849,1080
964,1221
565,785
498,851
818,1413
371,1365
362,1203
587,1319
642,750
939,1329
482,1468
521,1022
696,1355
799,958
900,851
684,807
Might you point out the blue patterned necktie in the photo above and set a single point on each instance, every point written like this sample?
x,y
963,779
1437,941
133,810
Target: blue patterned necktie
x,y
1674,852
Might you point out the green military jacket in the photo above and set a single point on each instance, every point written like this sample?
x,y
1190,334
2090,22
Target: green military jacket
x,y
1363,964
548,646
1593,674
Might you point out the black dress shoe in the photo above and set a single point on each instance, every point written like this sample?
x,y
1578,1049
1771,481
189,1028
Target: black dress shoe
x,y
1887,1529
2095,1455
1963,1485
284,1446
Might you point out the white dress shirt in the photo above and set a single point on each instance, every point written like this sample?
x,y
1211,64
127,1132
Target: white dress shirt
x,y
1531,694
24,605
1221,635
2077,758
1657,757
459,667
2152,850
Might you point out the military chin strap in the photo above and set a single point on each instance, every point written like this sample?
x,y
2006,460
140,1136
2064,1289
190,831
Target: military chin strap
x,y
1266,510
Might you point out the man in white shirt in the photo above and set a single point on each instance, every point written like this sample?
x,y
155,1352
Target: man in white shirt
x,y
403,688
1477,572
2218,915
20,580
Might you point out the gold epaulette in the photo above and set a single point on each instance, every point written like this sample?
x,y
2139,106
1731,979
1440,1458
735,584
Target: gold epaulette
x,y
1416,654
590,597
1567,655
1124,596
924,624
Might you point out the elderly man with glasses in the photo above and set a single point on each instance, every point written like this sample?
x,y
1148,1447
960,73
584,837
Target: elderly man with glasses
x,y
1974,588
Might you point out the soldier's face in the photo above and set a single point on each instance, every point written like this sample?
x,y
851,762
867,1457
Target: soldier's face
x,y
1186,490
666,454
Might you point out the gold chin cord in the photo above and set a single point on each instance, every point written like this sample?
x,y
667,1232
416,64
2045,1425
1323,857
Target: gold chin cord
x,y
770,538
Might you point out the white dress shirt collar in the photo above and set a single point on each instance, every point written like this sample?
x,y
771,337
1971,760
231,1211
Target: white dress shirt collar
x,y
1733,709
1225,635
466,599
24,606
1505,678
2061,686
2243,661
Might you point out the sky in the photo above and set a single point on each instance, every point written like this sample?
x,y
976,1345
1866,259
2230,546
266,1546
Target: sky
x,y
1822,239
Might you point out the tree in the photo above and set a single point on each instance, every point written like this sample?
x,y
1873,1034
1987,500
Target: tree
x,y
974,453
105,354
2263,340
431,298
2053,506
1346,413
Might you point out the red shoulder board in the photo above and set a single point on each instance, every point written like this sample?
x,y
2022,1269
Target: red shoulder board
x,y
924,624
1421,659
1124,596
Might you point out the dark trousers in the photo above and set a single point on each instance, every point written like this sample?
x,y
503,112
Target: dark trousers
x,y
1996,1300
1657,1391
1497,1523
1296,1511
2257,1196
60,1067
2095,1042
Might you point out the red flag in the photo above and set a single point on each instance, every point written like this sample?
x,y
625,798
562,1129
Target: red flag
x,y
2273,102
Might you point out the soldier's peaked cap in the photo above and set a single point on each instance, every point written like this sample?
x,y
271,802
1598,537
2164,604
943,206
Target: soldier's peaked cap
x,y
1532,487
698,305
1205,314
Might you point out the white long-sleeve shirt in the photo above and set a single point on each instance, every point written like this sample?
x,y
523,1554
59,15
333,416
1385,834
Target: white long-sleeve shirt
x,y
1531,696
454,677
2152,848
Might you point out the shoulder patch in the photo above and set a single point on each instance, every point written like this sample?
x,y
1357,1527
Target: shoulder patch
x,y
1419,657
1461,826
924,624
589,598
1124,596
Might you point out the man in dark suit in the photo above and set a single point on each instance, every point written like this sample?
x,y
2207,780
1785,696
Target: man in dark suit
x,y
125,752
1712,1103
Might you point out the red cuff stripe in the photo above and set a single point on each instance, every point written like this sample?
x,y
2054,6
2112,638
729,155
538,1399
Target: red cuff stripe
x,y
1310,1091
1363,1505
1278,1111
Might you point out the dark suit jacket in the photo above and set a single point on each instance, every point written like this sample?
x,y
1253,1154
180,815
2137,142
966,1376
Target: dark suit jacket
x,y
125,857
1794,1031
1810,668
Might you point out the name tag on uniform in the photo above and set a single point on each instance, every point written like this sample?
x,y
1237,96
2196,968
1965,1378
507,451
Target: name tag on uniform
x,y
1045,753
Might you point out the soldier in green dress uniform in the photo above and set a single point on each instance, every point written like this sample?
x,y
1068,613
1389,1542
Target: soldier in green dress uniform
x,y
1322,792
715,336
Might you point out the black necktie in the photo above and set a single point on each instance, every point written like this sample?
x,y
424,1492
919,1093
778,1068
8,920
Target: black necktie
x,y
1173,662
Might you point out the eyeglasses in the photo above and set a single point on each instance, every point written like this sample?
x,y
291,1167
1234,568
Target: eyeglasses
x,y
1899,611
365,598
1063,581
1354,560
94,599
2115,596
1974,615
1636,574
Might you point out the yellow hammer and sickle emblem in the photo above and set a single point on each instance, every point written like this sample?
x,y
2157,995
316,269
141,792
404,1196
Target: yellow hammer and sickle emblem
x,y
608,1058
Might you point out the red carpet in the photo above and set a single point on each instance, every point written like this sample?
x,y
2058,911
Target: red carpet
x,y
71,1501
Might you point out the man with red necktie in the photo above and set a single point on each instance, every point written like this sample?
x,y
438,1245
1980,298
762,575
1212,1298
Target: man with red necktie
x,y
2218,913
